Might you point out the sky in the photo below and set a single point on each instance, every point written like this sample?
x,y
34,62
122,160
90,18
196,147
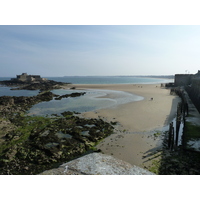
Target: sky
x,y
99,50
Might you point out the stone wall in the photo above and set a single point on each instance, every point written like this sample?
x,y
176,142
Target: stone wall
x,y
193,91
191,83
182,79
29,78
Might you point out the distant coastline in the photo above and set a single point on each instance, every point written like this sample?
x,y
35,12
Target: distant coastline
x,y
139,76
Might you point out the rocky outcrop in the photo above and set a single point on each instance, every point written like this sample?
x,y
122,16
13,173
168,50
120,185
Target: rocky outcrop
x,y
11,104
39,85
44,86
97,164
41,143
75,94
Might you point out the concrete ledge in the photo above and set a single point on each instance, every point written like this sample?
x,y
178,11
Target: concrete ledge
x,y
97,164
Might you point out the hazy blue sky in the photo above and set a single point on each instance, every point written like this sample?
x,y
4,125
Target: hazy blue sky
x,y
99,50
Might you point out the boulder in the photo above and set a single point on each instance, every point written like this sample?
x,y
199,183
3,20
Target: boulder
x,y
97,164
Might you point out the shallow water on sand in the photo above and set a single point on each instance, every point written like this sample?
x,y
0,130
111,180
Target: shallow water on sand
x,y
6,91
91,101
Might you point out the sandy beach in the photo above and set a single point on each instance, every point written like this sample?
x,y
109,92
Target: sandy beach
x,y
133,140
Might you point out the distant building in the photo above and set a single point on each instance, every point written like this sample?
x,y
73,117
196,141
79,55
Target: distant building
x,y
24,77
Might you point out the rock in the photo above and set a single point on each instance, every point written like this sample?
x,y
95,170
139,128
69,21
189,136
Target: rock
x,y
12,104
11,153
97,164
38,85
42,142
76,94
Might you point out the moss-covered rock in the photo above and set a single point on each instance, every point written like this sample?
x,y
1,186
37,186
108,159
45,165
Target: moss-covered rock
x,y
40,143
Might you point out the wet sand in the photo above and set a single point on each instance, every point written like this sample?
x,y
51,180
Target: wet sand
x,y
133,140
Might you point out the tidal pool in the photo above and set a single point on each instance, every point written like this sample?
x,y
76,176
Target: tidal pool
x,y
92,100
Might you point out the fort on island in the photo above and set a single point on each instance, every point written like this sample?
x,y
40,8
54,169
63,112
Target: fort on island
x,y
24,77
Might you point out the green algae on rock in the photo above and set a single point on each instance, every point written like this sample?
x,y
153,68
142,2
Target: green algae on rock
x,y
35,145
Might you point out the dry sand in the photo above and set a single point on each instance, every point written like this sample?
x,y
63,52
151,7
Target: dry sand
x,y
134,140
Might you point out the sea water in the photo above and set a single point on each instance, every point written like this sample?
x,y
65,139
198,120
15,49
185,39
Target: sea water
x,y
104,79
6,91
109,80
91,101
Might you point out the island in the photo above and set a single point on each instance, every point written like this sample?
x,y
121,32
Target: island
x,y
32,82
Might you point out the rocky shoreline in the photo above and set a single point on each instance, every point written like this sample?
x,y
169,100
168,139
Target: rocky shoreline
x,y
39,143
33,144
9,105
37,85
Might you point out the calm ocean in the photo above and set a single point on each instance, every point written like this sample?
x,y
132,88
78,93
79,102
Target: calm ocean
x,y
88,102
108,80
104,79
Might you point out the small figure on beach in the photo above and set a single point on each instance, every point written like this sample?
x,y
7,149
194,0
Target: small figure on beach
x,y
151,98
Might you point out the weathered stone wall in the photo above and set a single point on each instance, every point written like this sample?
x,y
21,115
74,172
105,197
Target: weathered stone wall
x,y
193,91
192,86
182,79
25,77
35,77
22,77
